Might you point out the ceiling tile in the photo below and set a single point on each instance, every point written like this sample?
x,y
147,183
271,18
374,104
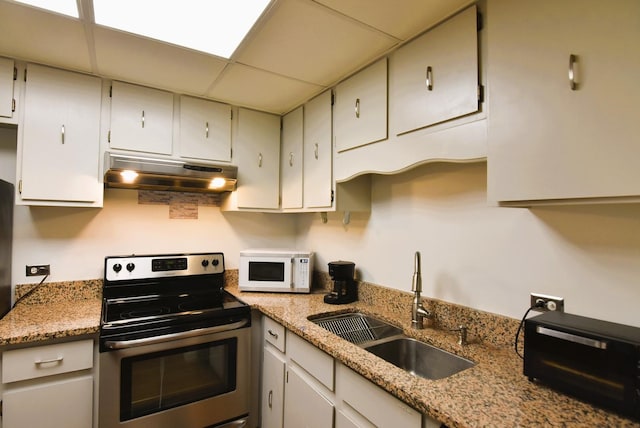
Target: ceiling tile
x,y
400,18
250,87
48,38
135,59
310,42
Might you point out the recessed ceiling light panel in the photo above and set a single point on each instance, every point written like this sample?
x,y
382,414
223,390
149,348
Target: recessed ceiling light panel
x,y
213,26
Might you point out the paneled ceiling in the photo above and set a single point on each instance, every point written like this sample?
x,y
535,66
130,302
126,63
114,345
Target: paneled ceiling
x,y
297,49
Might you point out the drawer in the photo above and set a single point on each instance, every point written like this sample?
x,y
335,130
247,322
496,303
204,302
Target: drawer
x,y
274,333
39,361
316,362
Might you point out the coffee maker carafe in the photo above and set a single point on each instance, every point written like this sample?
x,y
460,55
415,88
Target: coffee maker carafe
x,y
344,285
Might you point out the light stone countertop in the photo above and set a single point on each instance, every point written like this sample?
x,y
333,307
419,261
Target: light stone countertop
x,y
493,393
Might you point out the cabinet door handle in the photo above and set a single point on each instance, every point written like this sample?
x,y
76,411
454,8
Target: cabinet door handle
x,y
290,158
142,122
206,130
572,72
259,160
272,334
429,78
315,150
357,108
62,134
51,360
270,399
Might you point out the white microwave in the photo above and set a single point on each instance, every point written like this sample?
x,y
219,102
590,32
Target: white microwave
x,y
275,270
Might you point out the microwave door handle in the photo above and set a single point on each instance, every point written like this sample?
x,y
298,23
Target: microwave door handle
x,y
599,344
293,261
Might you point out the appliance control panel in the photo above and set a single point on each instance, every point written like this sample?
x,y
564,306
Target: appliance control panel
x,y
126,268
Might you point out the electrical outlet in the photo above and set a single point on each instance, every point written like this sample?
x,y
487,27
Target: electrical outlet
x,y
38,270
549,303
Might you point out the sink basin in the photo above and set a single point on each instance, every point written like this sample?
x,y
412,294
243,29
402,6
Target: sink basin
x,y
419,358
389,343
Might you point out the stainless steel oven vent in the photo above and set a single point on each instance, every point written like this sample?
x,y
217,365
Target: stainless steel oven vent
x,y
351,327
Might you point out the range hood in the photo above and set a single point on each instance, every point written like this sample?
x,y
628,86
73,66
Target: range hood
x,y
133,172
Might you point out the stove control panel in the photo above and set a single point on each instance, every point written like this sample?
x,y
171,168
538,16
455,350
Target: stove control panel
x,y
125,268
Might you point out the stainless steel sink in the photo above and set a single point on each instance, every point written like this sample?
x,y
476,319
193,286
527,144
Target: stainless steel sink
x,y
389,343
419,358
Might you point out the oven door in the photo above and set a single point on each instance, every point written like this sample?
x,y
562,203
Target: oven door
x,y
266,273
197,381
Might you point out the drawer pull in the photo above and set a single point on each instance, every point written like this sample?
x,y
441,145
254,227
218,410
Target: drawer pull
x,y
49,361
272,334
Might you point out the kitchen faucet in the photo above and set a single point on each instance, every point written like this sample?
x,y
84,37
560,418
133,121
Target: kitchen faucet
x,y
418,312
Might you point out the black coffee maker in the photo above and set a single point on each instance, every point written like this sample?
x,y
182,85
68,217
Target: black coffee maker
x,y
345,288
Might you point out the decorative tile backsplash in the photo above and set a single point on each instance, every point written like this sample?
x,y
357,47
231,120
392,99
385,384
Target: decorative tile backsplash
x,y
182,205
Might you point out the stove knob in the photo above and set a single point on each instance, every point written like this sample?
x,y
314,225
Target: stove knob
x,y
130,267
117,267
205,263
215,262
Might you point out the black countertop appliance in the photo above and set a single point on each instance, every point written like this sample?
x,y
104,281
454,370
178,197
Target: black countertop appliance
x,y
345,288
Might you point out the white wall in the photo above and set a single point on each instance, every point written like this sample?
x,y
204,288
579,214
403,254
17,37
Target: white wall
x,y
486,257
74,241
473,254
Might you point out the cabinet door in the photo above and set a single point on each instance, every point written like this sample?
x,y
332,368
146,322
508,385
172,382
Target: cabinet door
x,y
318,153
304,406
548,140
6,87
60,137
360,109
273,369
141,119
64,403
434,78
205,129
291,161
257,154
374,403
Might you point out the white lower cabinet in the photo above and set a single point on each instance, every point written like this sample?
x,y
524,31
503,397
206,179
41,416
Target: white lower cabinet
x,y
320,392
64,403
304,403
49,386
373,403
273,372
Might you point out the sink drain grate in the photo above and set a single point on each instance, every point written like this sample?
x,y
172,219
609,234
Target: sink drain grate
x,y
351,327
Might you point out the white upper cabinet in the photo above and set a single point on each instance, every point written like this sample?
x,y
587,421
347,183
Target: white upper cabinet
x,y
205,129
7,77
256,152
564,96
141,119
59,139
318,153
291,169
360,110
434,78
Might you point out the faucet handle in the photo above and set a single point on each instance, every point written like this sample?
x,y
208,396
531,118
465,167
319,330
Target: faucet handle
x,y
462,334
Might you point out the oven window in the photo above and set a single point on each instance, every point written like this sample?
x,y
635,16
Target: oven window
x,y
266,271
154,382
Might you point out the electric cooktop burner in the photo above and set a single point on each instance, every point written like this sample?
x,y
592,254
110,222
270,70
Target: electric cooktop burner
x,y
146,296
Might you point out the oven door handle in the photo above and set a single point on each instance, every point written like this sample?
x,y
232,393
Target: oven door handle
x,y
122,344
